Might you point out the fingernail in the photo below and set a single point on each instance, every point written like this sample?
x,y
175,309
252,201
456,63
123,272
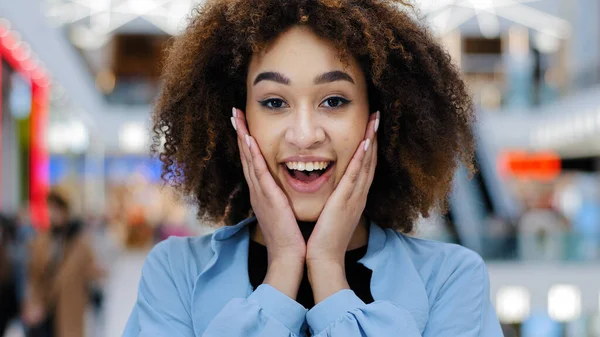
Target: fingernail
x,y
248,140
234,112
367,144
377,122
233,123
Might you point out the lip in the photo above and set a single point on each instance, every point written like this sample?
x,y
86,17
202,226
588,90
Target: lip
x,y
313,186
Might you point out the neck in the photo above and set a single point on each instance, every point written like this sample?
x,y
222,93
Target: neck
x,y
359,239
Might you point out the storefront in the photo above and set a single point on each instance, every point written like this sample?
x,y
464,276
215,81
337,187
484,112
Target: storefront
x,y
24,88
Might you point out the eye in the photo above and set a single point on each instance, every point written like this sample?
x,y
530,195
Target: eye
x,y
335,102
273,103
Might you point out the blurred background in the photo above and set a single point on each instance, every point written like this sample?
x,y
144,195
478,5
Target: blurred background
x,y
78,78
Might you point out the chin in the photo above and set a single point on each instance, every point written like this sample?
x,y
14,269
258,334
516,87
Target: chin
x,y
308,211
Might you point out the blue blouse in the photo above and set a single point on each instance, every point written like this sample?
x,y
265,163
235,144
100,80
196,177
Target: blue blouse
x,y
199,286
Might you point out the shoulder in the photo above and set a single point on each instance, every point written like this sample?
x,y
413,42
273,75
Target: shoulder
x,y
441,264
424,252
179,256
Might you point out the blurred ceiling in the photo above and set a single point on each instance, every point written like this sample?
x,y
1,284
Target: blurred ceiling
x,y
92,22
490,17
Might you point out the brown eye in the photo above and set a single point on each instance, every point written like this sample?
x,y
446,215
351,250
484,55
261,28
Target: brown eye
x,y
335,102
273,103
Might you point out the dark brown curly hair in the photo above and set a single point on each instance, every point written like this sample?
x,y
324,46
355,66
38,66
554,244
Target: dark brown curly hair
x,y
426,112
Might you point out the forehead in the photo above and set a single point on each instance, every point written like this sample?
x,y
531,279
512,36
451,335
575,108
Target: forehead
x,y
301,55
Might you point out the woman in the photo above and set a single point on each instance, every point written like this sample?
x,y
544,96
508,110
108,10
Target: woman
x,y
60,274
9,305
350,121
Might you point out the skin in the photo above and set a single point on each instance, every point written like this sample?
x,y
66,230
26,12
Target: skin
x,y
293,115
58,217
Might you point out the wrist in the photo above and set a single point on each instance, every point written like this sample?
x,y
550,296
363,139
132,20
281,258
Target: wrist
x,y
285,275
326,278
317,269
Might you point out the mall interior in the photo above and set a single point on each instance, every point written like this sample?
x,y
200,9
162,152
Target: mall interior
x,y
78,80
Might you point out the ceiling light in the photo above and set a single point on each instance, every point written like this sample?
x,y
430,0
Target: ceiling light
x,y
133,138
545,43
513,304
78,137
564,303
58,138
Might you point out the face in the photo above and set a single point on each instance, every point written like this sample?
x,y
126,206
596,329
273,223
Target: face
x,y
57,215
308,112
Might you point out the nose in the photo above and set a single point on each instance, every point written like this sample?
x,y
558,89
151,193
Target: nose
x,y
305,131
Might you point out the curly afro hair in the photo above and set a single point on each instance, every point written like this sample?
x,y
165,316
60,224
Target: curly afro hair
x,y
426,111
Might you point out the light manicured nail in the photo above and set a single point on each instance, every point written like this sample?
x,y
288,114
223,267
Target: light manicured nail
x,y
367,144
248,140
234,112
233,123
376,125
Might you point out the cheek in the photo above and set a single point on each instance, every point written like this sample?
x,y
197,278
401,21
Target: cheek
x,y
346,145
258,127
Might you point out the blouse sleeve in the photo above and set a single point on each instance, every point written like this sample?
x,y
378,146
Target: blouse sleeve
x,y
462,308
164,310
159,310
266,312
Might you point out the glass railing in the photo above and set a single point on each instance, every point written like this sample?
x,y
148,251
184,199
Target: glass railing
x,y
530,94
133,92
542,247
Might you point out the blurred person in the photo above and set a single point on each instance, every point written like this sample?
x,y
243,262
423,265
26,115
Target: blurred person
x,y
140,233
24,233
9,305
355,122
61,269
542,229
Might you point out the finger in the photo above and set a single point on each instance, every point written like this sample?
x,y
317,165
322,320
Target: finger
x,y
241,123
244,163
261,170
243,158
371,124
368,172
246,144
369,163
356,165
353,171
242,132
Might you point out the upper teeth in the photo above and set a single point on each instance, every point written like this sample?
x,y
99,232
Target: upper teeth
x,y
307,166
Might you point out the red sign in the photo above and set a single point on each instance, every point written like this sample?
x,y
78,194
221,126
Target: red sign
x,y
543,166
12,52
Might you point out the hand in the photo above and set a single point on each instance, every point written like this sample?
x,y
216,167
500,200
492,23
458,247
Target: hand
x,y
33,313
327,245
285,243
344,208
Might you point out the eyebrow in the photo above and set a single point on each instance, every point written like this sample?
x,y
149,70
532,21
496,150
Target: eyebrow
x,y
328,77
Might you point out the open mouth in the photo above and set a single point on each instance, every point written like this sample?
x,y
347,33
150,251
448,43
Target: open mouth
x,y
307,172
